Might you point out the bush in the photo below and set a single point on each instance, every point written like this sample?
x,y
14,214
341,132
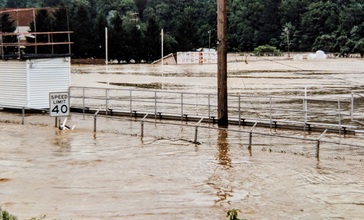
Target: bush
x,y
267,50
6,215
233,214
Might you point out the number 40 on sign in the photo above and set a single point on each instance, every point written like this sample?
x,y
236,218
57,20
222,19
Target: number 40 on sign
x,y
59,104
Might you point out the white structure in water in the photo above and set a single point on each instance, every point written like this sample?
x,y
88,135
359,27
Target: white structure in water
x,y
200,57
27,83
318,55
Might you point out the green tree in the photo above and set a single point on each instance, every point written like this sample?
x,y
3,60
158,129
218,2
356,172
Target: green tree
x,y
141,6
325,42
152,40
321,18
5,215
2,3
51,3
101,24
118,39
357,37
243,24
61,23
206,23
359,47
343,46
16,4
269,23
351,27
186,34
8,26
286,36
43,23
84,33
135,43
291,12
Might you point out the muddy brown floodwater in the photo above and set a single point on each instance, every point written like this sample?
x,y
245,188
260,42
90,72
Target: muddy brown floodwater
x,y
116,174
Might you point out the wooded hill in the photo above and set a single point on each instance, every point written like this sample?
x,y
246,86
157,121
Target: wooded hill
x,y
135,25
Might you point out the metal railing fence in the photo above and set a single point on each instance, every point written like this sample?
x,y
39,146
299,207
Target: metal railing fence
x,y
299,111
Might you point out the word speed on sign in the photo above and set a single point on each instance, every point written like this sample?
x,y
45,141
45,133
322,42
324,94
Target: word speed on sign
x,y
59,104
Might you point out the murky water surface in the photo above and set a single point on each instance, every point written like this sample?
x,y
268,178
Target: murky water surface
x,y
116,174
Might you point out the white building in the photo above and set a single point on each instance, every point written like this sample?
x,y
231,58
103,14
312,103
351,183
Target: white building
x,y
27,83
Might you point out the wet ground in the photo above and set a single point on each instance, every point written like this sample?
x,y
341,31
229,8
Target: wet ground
x,y
116,174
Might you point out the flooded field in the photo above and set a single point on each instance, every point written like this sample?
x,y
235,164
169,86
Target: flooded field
x,y
325,78
114,173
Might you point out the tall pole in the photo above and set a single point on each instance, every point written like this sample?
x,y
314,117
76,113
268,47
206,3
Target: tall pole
x,y
209,39
18,36
1,39
35,30
69,35
287,35
162,36
222,63
106,47
107,55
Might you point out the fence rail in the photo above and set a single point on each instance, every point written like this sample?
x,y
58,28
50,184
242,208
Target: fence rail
x,y
305,112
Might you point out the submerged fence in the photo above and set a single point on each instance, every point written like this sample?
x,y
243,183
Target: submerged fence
x,y
251,138
308,113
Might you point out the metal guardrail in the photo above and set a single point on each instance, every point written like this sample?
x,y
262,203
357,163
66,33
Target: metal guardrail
x,y
294,111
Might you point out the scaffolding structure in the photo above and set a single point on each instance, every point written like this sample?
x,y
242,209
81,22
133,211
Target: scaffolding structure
x,y
21,44
25,44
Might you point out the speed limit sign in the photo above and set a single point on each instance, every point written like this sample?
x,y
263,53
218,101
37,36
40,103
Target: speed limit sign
x,y
59,104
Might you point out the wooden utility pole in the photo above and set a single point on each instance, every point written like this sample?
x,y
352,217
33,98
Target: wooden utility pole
x,y
222,108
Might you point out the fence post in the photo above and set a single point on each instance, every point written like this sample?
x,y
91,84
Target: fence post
x,y
131,100
318,145
305,109
155,105
196,130
95,116
352,107
142,129
209,107
83,102
251,136
239,118
270,113
107,100
23,115
142,125
339,112
182,106
318,150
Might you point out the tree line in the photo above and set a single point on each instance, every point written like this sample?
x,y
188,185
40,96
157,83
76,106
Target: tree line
x,y
135,25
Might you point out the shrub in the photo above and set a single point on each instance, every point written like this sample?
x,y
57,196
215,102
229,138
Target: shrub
x,y
4,215
233,214
267,50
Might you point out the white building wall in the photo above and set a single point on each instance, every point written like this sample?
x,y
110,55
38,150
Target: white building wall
x,y
45,76
13,84
28,83
208,57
